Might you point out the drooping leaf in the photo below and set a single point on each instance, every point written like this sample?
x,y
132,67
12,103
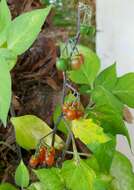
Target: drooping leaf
x,y
51,178
5,90
78,176
29,129
5,16
109,111
107,78
124,89
7,186
88,71
89,132
122,172
37,186
24,30
22,175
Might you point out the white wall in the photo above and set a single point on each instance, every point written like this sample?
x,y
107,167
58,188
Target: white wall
x,y
115,42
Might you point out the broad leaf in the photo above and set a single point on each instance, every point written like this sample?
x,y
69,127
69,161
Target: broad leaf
x,y
109,111
22,175
89,132
7,186
5,90
51,178
124,89
5,16
88,71
78,176
24,30
101,96
107,78
29,129
122,172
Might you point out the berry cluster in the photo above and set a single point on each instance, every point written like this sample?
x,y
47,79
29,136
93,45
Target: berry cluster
x,y
72,110
74,62
44,157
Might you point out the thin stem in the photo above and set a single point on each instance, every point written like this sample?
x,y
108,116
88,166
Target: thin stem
x,y
79,153
68,141
76,155
61,116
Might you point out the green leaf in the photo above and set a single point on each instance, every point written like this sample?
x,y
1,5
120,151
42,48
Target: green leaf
x,y
5,16
7,186
124,89
122,172
37,186
102,182
9,57
109,111
29,129
78,176
89,132
101,97
107,78
51,178
5,90
93,163
22,175
104,154
24,30
88,71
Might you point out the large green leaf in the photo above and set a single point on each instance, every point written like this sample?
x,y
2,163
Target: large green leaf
x,y
109,111
88,71
5,90
24,30
51,178
89,132
78,176
7,186
124,89
107,78
122,172
22,175
29,129
102,96
5,16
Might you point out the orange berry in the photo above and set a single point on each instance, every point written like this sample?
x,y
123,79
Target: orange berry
x,y
34,161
